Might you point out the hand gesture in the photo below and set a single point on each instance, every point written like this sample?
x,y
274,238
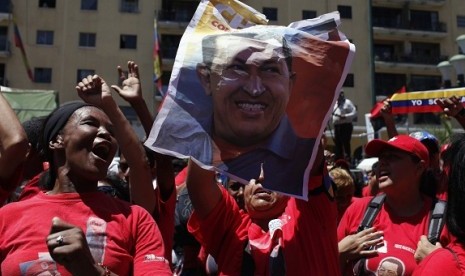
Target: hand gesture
x,y
387,108
131,89
67,245
424,248
361,244
94,90
451,106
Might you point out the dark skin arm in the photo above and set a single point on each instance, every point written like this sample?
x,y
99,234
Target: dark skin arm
x,y
204,192
131,91
13,141
386,113
94,90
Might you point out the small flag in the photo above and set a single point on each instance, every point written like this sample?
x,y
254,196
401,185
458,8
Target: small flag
x,y
20,45
157,72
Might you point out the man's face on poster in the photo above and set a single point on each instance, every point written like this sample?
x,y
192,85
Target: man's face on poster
x,y
250,83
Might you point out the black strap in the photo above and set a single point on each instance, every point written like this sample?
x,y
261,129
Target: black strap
x,y
436,222
371,212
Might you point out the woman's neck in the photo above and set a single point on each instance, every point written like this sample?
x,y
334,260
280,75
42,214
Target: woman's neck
x,y
405,205
67,183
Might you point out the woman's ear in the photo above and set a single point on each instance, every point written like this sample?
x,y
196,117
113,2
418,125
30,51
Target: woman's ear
x,y
57,143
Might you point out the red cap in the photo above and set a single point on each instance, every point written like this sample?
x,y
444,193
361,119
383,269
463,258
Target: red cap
x,y
400,142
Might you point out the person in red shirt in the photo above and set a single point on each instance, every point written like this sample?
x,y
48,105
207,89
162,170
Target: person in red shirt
x,y
277,234
451,259
402,219
81,230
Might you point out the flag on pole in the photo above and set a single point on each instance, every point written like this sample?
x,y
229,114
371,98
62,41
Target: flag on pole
x,y
20,45
157,72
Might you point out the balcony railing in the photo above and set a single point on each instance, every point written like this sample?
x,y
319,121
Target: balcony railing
x,y
415,59
413,25
181,15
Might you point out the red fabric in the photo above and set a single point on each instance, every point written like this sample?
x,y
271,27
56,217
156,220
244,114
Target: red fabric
x,y
7,186
131,243
401,235
309,239
375,112
181,177
31,188
443,262
165,222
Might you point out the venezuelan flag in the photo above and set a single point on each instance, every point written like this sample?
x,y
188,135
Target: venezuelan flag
x,y
423,101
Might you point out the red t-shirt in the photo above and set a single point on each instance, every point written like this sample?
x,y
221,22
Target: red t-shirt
x,y
443,262
7,186
307,236
31,188
401,235
124,238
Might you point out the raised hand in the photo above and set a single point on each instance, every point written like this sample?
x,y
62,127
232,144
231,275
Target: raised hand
x,y
68,246
131,89
451,106
387,108
94,90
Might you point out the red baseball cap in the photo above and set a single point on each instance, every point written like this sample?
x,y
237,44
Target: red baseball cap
x,y
404,143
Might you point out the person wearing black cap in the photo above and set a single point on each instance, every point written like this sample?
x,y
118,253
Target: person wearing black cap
x,y
81,230
403,176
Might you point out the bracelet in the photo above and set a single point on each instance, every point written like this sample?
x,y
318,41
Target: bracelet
x,y
105,268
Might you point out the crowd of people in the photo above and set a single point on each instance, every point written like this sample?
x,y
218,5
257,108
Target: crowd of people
x,y
70,207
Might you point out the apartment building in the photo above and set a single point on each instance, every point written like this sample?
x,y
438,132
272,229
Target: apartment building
x,y
65,41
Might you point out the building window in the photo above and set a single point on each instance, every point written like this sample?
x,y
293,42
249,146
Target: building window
x,y
2,75
44,37
47,3
461,21
4,45
87,39
271,13
306,14
345,11
89,5
83,73
43,75
170,45
128,42
131,6
386,84
349,81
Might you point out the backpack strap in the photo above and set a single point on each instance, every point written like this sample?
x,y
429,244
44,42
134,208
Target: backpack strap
x,y
436,222
371,212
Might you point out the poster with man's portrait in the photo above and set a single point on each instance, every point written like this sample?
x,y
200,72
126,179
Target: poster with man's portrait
x,y
244,94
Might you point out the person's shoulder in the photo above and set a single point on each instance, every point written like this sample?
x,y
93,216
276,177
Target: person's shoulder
x,y
441,261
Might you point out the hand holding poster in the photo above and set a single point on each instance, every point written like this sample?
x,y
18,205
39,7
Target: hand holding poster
x,y
243,94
